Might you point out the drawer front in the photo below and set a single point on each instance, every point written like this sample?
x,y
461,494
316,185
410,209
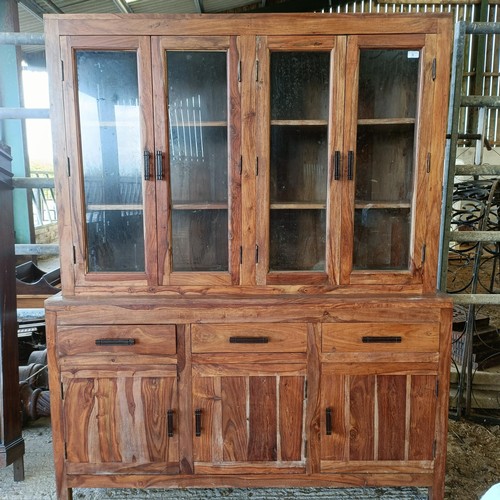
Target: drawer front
x,y
380,337
255,337
116,339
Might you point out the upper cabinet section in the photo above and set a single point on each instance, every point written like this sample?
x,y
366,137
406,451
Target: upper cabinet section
x,y
212,154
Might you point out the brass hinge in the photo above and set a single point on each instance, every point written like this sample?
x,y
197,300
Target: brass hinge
x,y
68,166
434,69
428,163
424,248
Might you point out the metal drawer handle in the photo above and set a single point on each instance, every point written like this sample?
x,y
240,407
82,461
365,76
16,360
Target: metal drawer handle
x,y
381,340
197,419
147,174
115,342
336,165
248,340
170,423
328,422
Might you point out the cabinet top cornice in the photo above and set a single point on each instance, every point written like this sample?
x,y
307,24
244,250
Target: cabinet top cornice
x,y
245,24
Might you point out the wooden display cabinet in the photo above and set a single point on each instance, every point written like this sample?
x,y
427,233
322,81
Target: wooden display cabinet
x,y
249,214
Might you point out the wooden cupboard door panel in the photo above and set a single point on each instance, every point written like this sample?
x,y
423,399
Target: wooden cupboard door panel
x,y
391,397
377,418
120,422
423,417
362,413
252,419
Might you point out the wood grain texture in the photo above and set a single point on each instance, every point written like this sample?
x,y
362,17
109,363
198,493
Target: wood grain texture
x,y
362,417
291,418
234,418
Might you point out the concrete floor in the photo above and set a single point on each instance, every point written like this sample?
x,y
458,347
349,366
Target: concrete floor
x,y
39,482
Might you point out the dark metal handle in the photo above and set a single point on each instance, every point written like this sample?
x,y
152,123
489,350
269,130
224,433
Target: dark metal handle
x,y
197,419
147,156
170,423
115,342
381,340
159,165
336,165
328,421
248,340
350,165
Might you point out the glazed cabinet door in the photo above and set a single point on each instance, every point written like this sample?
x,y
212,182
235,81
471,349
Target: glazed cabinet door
x,y
197,156
107,90
122,420
298,164
387,199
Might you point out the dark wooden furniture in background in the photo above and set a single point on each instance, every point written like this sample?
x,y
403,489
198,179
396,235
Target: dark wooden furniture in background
x,y
11,441
249,214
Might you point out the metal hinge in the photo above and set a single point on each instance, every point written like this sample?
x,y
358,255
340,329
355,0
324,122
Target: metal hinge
x,y
434,69
62,70
241,255
305,389
241,165
74,254
62,391
257,70
239,70
257,254
437,388
434,447
428,163
257,166
305,449
65,451
68,166
424,248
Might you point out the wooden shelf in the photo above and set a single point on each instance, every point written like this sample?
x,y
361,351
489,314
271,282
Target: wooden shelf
x,y
386,121
201,205
381,205
300,123
120,207
301,205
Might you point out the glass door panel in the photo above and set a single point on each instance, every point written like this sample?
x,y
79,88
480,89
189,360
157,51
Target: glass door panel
x,y
112,160
298,160
385,158
198,154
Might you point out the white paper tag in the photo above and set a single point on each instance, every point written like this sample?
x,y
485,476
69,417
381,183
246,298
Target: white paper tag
x,y
413,54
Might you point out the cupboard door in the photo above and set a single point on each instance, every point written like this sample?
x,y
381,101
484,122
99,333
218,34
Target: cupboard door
x,y
248,419
108,100
121,420
300,109
386,158
377,417
197,156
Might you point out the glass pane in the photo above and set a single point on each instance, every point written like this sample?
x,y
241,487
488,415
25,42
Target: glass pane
x,y
385,156
200,240
297,240
298,160
108,102
198,149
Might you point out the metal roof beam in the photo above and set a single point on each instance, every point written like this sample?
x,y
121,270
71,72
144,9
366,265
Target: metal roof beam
x,y
33,8
52,7
123,6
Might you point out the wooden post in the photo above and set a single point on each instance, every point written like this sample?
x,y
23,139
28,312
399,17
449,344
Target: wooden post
x,y
11,441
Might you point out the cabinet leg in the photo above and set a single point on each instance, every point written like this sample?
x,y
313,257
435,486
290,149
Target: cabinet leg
x,y
18,466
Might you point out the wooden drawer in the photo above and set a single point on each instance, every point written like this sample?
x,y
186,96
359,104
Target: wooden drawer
x,y
255,337
113,339
380,337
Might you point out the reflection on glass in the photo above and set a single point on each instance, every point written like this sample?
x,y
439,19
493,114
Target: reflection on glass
x,y
385,156
298,160
108,102
198,152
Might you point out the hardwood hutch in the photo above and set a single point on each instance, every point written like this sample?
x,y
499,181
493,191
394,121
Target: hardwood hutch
x,y
249,212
